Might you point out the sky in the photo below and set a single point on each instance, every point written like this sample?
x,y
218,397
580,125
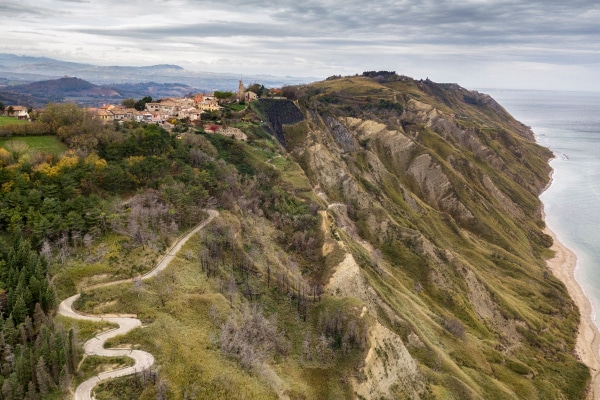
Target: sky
x,y
517,44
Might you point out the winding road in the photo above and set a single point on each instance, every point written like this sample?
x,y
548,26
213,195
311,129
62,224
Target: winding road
x,y
95,346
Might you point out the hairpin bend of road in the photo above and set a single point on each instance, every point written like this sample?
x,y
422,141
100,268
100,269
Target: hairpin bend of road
x,y
95,346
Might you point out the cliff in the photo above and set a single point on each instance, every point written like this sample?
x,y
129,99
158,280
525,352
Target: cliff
x,y
431,190
379,237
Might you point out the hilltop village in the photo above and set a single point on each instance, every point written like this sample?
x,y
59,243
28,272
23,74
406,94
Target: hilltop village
x,y
202,110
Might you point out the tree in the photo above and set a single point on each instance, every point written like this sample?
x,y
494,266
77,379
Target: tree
x,y
129,103
19,311
259,89
39,317
43,377
140,105
224,95
211,115
164,289
253,339
16,148
63,116
10,110
1,107
291,92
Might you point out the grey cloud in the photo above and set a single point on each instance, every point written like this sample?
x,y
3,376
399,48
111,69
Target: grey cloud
x,y
409,19
443,18
334,34
210,29
12,10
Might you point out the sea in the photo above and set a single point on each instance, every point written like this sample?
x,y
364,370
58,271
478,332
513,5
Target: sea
x,y
568,123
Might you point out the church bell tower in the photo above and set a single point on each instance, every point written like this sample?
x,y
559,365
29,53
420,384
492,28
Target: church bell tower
x,y
241,91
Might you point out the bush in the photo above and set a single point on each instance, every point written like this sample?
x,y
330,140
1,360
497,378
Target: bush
x,y
455,327
518,367
29,129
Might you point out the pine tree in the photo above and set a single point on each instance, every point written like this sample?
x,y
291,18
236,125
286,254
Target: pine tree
x,y
10,332
32,393
43,377
39,317
28,324
73,353
49,299
19,311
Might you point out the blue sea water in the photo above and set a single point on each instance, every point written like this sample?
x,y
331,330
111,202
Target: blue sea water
x,y
568,123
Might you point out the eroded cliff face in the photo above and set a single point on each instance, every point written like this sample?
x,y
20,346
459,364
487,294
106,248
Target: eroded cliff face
x,y
431,192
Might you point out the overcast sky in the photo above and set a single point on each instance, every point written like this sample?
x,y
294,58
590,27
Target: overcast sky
x,y
543,44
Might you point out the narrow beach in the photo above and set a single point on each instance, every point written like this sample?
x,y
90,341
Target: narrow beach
x,y
588,340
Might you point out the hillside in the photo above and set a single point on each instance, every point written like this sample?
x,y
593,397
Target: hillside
x,y
57,90
435,190
84,93
378,237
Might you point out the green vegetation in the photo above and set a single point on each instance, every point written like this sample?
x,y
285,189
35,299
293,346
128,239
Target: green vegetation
x,y
44,144
224,95
94,365
39,357
236,106
12,121
140,105
364,231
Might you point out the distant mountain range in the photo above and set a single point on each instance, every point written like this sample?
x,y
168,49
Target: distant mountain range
x,y
40,93
23,69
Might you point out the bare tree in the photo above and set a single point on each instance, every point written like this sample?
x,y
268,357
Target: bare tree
x,y
46,250
253,338
88,241
164,288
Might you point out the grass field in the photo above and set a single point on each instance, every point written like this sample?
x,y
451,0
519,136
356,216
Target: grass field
x,y
236,107
48,144
11,121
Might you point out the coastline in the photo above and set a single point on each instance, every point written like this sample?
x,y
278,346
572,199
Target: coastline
x,y
563,266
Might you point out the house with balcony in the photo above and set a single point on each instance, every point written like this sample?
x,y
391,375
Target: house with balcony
x,y
153,107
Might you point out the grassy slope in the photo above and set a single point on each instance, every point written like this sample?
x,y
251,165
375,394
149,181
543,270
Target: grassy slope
x,y
11,121
184,308
183,325
504,253
47,144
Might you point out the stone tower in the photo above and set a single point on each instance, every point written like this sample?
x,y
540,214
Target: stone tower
x,y
241,91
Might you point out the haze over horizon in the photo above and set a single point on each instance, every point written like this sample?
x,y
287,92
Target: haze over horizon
x,y
476,43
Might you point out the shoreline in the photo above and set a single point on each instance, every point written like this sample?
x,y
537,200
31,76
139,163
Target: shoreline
x,y
587,347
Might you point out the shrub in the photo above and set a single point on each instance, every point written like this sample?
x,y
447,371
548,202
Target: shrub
x,y
455,327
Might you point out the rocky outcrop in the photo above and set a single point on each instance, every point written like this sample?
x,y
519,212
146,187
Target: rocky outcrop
x,y
234,133
436,188
389,370
341,135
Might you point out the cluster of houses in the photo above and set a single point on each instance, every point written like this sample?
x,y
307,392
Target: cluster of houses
x,y
160,112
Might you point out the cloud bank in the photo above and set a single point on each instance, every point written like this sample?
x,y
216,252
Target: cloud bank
x,y
478,43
